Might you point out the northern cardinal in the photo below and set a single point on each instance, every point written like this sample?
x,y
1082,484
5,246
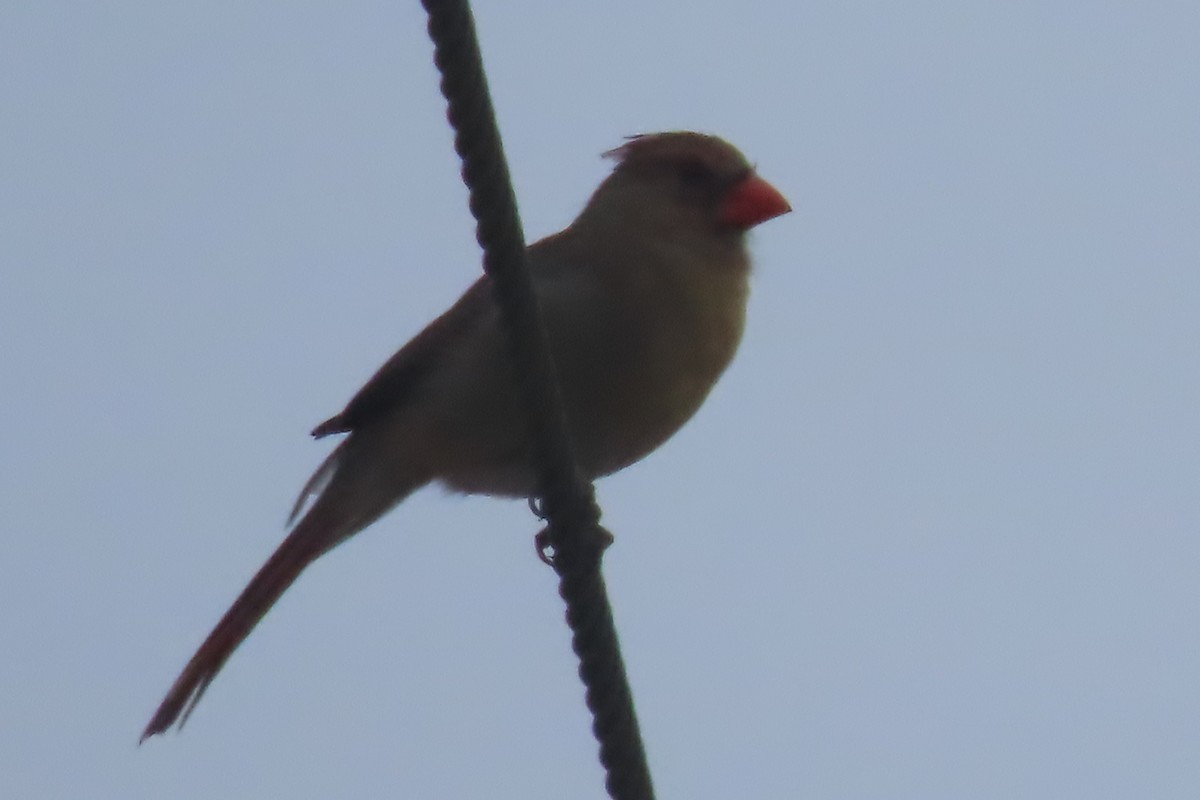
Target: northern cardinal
x,y
643,298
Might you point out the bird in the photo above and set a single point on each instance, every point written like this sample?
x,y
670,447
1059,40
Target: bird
x,y
643,298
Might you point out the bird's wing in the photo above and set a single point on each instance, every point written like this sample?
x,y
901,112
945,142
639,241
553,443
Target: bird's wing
x,y
392,385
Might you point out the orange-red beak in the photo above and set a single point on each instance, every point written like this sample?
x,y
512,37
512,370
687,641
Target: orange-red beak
x,y
751,202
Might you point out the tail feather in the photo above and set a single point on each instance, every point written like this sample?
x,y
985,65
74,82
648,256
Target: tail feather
x,y
350,499
301,547
317,482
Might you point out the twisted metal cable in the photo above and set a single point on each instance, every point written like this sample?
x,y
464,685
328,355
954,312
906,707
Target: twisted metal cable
x,y
567,498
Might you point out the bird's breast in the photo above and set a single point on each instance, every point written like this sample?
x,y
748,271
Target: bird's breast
x,y
633,376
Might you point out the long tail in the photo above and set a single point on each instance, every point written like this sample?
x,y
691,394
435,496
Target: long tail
x,y
333,518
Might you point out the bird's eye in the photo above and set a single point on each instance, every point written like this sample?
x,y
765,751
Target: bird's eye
x,y
694,172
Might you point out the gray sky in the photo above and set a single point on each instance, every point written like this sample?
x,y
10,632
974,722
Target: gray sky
x,y
933,536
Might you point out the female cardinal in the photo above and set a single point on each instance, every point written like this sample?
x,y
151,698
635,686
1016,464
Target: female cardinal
x,y
643,298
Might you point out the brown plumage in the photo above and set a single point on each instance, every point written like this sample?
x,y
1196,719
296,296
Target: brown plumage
x,y
643,298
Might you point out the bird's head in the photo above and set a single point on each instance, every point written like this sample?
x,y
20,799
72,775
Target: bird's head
x,y
683,181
